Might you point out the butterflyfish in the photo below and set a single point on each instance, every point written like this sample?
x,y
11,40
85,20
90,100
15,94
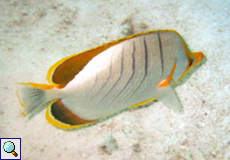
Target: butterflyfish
x,y
97,83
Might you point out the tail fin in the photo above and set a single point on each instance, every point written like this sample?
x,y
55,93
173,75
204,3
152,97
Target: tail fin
x,y
32,96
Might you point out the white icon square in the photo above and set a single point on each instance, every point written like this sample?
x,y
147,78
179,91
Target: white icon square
x,y
10,148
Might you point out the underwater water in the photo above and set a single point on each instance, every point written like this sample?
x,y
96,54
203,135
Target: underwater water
x,y
36,34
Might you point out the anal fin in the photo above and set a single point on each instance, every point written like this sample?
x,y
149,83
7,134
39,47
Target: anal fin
x,y
60,116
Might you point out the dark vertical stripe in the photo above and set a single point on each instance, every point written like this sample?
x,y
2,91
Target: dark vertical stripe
x,y
133,72
146,58
146,68
121,73
110,70
95,82
161,52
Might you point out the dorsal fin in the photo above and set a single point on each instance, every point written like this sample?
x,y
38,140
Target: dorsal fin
x,y
67,68
60,116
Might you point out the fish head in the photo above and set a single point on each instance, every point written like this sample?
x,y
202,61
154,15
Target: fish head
x,y
184,64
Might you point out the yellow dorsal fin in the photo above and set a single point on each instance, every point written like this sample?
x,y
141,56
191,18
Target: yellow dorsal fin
x,y
67,68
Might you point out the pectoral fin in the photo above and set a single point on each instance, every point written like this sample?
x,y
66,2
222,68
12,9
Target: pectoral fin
x,y
170,99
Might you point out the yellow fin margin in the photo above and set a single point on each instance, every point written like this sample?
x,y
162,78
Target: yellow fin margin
x,y
51,119
143,103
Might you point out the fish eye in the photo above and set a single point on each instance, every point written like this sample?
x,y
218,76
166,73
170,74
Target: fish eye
x,y
189,63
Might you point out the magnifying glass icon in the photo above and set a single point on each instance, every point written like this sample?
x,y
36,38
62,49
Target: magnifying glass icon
x,y
9,147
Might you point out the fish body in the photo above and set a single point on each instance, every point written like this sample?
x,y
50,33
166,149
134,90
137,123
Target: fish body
x,y
122,74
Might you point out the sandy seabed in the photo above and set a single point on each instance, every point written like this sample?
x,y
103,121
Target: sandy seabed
x,y
36,34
